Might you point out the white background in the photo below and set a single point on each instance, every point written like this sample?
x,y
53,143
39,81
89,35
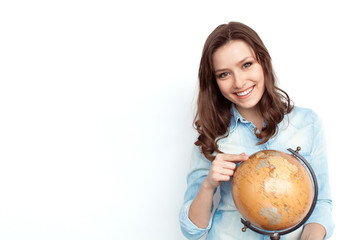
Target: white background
x,y
97,99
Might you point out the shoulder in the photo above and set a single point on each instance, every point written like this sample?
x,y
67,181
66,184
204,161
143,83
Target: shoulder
x,y
299,128
301,117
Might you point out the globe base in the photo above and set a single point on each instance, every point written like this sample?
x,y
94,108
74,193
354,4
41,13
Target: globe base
x,y
273,235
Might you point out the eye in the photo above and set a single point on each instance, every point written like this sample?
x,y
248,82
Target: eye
x,y
223,75
246,65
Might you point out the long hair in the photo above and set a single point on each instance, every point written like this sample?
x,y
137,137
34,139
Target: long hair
x,y
213,116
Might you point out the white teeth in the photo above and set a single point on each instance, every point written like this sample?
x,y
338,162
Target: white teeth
x,y
244,92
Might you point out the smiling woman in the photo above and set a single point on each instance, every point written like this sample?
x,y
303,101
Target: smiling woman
x,y
240,111
233,59
240,78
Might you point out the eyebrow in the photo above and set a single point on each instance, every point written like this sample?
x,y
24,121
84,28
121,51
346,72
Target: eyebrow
x,y
239,63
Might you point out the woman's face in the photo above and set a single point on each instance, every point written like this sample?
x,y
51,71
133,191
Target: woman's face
x,y
239,76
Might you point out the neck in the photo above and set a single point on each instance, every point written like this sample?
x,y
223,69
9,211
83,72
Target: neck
x,y
252,115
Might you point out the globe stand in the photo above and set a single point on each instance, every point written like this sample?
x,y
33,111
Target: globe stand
x,y
275,235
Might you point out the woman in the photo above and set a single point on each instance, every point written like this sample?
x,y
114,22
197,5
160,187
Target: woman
x,y
240,111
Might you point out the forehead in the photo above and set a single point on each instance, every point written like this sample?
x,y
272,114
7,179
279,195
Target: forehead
x,y
231,53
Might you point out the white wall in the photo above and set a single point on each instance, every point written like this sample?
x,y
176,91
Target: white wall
x,y
96,107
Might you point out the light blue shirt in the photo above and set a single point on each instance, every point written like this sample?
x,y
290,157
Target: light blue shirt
x,y
301,127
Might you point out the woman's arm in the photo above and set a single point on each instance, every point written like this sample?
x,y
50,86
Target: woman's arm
x,y
320,224
222,168
200,209
313,231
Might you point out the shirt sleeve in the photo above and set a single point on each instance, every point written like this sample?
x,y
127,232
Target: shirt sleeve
x,y
199,168
323,207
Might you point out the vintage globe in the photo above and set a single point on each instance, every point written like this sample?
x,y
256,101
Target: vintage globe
x,y
272,190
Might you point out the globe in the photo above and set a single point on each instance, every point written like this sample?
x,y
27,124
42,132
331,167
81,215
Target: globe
x,y
272,190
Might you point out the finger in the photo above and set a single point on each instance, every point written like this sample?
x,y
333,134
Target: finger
x,y
223,163
225,178
222,178
223,171
228,165
234,157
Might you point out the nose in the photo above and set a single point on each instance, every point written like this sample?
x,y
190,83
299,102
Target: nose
x,y
239,80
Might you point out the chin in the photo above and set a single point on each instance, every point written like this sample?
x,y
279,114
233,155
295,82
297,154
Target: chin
x,y
247,105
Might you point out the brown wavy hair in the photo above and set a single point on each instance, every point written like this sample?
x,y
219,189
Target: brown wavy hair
x,y
212,119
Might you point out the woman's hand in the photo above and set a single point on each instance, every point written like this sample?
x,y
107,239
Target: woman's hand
x,y
222,168
313,231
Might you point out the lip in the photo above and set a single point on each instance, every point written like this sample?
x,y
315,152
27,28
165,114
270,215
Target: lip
x,y
246,95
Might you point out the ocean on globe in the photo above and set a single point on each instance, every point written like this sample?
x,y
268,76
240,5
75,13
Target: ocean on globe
x,y
272,190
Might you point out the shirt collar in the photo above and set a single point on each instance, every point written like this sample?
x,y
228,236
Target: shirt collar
x,y
235,118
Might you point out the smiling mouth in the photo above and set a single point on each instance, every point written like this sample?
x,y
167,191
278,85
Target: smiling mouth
x,y
245,93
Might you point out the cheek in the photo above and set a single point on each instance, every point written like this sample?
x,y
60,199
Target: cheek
x,y
258,76
224,86
260,81
261,86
